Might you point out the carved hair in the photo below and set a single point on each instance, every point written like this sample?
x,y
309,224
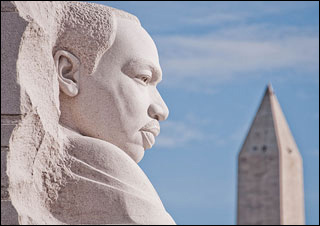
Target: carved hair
x,y
88,31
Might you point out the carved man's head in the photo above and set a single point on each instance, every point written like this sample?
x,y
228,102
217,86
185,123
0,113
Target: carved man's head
x,y
108,69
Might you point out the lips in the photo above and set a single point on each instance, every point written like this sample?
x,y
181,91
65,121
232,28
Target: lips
x,y
149,132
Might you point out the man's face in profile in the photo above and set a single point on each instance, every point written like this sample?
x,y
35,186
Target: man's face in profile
x,y
119,102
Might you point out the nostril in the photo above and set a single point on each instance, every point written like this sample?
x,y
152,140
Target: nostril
x,y
156,112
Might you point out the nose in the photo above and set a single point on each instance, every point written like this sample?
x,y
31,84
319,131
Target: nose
x,y
158,110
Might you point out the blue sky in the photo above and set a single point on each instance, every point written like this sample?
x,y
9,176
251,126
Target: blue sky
x,y
217,58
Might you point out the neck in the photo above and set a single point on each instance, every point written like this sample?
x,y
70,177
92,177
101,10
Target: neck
x,y
67,117
111,180
107,158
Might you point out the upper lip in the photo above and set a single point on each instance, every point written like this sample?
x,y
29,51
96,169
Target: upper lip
x,y
152,127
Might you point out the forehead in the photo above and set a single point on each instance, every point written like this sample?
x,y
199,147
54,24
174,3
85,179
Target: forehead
x,y
133,42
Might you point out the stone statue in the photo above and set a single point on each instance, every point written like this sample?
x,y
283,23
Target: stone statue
x,y
89,75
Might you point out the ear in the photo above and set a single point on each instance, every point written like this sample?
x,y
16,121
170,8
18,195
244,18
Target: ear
x,y
67,66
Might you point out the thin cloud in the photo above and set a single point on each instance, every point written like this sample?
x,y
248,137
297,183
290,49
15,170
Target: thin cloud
x,y
190,130
178,134
221,57
179,16
217,18
222,14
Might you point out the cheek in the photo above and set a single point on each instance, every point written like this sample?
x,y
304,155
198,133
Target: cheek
x,y
115,108
97,105
134,98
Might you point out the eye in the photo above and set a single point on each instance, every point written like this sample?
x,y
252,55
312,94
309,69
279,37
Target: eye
x,y
144,79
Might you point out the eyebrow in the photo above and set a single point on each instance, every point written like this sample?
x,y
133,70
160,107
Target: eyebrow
x,y
156,71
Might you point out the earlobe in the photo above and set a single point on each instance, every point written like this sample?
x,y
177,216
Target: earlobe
x,y
67,66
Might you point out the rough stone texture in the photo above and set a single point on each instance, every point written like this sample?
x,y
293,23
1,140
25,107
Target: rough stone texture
x,y
9,215
7,6
8,123
270,178
6,131
5,194
57,175
12,28
4,177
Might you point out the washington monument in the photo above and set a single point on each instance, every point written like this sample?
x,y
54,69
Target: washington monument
x,y
270,171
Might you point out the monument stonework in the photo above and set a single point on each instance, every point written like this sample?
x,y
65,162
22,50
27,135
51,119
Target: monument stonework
x,y
270,171
79,107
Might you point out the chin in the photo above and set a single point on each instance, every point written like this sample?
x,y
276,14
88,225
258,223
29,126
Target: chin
x,y
136,152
